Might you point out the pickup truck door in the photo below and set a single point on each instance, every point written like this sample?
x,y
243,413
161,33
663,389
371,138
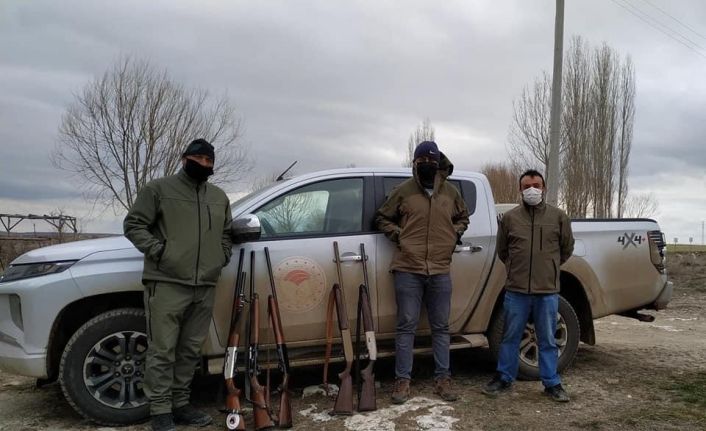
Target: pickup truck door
x,y
469,267
299,227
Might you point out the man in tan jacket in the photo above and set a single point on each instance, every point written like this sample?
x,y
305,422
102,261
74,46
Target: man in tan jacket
x,y
425,216
534,239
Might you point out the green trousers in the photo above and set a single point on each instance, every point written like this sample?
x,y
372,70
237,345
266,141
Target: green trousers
x,y
177,324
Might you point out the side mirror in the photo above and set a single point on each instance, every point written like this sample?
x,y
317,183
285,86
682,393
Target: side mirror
x,y
245,228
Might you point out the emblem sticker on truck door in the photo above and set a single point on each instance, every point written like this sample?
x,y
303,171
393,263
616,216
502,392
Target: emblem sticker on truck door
x,y
302,284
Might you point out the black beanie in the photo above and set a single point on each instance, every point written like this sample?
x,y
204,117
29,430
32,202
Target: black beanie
x,y
428,149
199,147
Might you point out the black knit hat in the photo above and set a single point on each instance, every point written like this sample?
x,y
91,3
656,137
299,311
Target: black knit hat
x,y
428,149
199,147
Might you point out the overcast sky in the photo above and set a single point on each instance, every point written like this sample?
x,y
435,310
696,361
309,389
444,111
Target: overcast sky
x,y
333,83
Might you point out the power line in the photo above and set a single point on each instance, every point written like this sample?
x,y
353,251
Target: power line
x,y
675,19
694,46
665,26
635,10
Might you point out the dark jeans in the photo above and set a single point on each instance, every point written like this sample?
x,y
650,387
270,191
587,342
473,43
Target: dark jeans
x,y
517,308
410,291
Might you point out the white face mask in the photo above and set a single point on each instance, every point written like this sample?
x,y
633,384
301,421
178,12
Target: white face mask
x,y
532,196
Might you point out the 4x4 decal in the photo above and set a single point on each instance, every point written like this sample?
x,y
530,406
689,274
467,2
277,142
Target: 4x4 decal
x,y
628,239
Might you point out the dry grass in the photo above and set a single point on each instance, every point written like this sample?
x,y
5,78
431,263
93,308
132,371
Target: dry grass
x,y
686,248
687,270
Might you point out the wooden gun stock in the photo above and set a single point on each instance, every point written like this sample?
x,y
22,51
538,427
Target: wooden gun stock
x,y
366,395
344,400
234,418
261,415
284,417
285,407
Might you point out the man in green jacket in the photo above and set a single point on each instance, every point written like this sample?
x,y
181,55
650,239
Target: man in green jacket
x,y
425,216
533,240
181,224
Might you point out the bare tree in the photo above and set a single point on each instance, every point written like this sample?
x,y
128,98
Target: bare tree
x,y
576,119
424,132
503,182
529,130
131,126
641,206
626,119
596,131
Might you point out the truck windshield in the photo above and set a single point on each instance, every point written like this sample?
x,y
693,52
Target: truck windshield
x,y
239,201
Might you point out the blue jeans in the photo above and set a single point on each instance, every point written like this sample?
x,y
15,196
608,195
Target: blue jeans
x,y
410,291
517,308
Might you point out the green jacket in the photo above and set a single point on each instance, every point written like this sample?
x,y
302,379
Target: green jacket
x,y
533,242
424,227
182,228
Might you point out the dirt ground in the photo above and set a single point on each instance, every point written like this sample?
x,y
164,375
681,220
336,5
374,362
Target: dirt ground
x,y
639,376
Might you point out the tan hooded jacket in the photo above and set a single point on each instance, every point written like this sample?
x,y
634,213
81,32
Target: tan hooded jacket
x,y
425,228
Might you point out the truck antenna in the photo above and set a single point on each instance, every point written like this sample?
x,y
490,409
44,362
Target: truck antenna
x,y
281,176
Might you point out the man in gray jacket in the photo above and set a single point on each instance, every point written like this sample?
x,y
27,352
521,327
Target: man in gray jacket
x,y
182,226
533,240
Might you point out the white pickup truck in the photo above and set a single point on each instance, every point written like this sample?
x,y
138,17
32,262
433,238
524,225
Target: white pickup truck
x,y
74,312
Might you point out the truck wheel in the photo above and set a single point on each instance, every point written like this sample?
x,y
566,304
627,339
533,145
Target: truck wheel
x,y
567,335
102,368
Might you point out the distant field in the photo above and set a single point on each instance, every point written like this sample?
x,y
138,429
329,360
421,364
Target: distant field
x,y
686,248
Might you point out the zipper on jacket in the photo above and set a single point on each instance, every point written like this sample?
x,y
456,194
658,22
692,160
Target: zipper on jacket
x,y
541,241
208,209
198,249
426,260
529,282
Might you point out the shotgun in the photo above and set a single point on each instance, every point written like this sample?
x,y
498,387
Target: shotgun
x,y
366,393
234,418
285,406
261,414
344,400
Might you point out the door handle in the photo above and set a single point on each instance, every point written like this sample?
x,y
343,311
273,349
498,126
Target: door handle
x,y
350,258
468,247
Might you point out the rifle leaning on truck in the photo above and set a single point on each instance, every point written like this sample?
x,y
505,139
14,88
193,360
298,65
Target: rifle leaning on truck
x,y
255,392
366,388
344,399
234,418
284,416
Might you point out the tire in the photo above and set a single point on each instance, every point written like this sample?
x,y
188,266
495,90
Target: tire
x,y
568,335
102,368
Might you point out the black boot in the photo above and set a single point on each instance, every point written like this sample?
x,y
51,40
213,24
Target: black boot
x,y
188,415
163,422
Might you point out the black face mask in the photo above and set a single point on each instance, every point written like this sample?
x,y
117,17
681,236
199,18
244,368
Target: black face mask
x,y
426,173
197,171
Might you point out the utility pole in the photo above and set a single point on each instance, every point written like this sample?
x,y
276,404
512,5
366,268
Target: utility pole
x,y
555,127
702,233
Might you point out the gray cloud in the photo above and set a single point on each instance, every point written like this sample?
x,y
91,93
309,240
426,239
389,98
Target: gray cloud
x,y
333,84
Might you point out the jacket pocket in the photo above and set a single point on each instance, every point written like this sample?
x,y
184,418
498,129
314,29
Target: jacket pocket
x,y
161,255
549,239
208,210
556,274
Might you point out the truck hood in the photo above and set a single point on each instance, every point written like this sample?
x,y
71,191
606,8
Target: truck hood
x,y
73,250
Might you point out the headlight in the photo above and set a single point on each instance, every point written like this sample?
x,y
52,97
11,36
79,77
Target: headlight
x,y
18,272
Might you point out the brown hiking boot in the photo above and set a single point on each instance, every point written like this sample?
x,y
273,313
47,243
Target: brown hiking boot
x,y
442,388
400,392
